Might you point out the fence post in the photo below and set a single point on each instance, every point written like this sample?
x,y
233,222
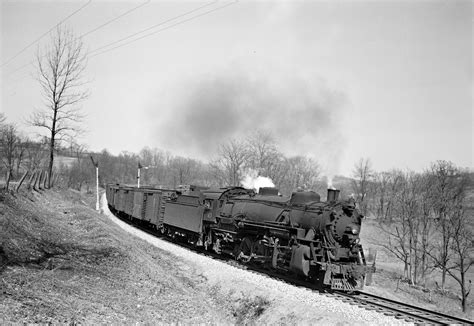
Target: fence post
x,y
21,181
37,176
55,179
8,179
31,179
40,180
46,178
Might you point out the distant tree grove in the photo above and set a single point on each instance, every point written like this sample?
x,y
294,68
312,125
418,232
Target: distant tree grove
x,y
428,218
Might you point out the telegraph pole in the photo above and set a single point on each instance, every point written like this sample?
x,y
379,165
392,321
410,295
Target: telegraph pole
x,y
96,164
140,167
138,174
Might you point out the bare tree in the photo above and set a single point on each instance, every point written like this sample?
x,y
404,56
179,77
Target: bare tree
x,y
182,169
35,155
462,248
80,171
386,188
9,142
402,236
362,174
262,153
227,168
301,173
61,67
447,191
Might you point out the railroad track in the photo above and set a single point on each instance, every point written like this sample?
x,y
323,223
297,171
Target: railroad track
x,y
364,300
400,310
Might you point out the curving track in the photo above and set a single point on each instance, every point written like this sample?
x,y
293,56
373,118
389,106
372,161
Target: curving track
x,y
401,310
364,300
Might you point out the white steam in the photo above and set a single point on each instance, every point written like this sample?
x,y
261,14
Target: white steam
x,y
330,184
252,180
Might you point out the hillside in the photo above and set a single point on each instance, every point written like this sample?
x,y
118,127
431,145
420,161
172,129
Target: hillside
x,y
61,262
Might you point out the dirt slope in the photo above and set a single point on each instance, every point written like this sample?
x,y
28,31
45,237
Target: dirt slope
x,y
60,261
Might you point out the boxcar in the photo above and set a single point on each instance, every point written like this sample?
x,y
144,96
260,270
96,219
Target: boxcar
x,y
185,213
111,195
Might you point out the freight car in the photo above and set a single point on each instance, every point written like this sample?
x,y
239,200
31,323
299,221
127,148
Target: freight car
x,y
298,235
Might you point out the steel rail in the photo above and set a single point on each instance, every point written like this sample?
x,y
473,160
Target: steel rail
x,y
402,310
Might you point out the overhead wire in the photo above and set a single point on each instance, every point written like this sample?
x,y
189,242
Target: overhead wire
x,y
167,27
89,32
46,33
150,28
114,19
144,30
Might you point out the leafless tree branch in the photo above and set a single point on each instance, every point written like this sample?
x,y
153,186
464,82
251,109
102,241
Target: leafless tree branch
x,y
61,68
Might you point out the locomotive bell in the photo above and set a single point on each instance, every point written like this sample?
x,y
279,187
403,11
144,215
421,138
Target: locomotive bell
x,y
333,195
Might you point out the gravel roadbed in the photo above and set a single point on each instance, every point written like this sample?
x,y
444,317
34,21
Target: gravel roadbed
x,y
265,300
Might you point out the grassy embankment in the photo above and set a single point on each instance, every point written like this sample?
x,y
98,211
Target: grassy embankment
x,y
60,261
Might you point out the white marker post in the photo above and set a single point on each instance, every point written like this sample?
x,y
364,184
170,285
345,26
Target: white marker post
x,y
140,167
138,176
97,204
96,164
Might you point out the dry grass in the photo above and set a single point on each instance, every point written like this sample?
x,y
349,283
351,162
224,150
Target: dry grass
x,y
62,262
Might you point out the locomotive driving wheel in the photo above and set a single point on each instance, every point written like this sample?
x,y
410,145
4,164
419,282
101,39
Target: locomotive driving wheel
x,y
208,240
243,251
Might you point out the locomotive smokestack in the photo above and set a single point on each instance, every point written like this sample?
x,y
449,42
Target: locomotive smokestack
x,y
333,195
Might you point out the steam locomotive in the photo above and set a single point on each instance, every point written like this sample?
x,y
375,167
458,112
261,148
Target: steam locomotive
x,y
299,235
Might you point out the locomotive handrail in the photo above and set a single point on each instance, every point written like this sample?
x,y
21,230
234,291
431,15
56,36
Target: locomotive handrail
x,y
244,222
222,230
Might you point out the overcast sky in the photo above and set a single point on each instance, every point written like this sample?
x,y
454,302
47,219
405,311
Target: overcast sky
x,y
336,80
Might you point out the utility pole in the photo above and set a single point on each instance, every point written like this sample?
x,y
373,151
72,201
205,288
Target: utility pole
x,y
140,167
96,164
138,174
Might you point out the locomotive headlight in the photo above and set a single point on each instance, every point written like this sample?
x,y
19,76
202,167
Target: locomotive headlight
x,y
352,229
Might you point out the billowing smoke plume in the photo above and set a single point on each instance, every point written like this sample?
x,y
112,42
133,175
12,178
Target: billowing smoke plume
x,y
252,180
301,112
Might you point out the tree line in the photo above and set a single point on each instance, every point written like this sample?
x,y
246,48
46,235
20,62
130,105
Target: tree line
x,y
427,216
257,154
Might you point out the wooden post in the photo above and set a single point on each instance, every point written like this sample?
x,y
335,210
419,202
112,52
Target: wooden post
x,y
96,164
38,176
8,179
31,179
55,178
46,180
21,181
97,205
40,180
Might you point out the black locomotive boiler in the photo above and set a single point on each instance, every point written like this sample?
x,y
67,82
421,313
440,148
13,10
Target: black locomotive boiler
x,y
299,234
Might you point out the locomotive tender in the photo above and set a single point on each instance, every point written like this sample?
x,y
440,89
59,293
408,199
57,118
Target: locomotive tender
x,y
299,235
